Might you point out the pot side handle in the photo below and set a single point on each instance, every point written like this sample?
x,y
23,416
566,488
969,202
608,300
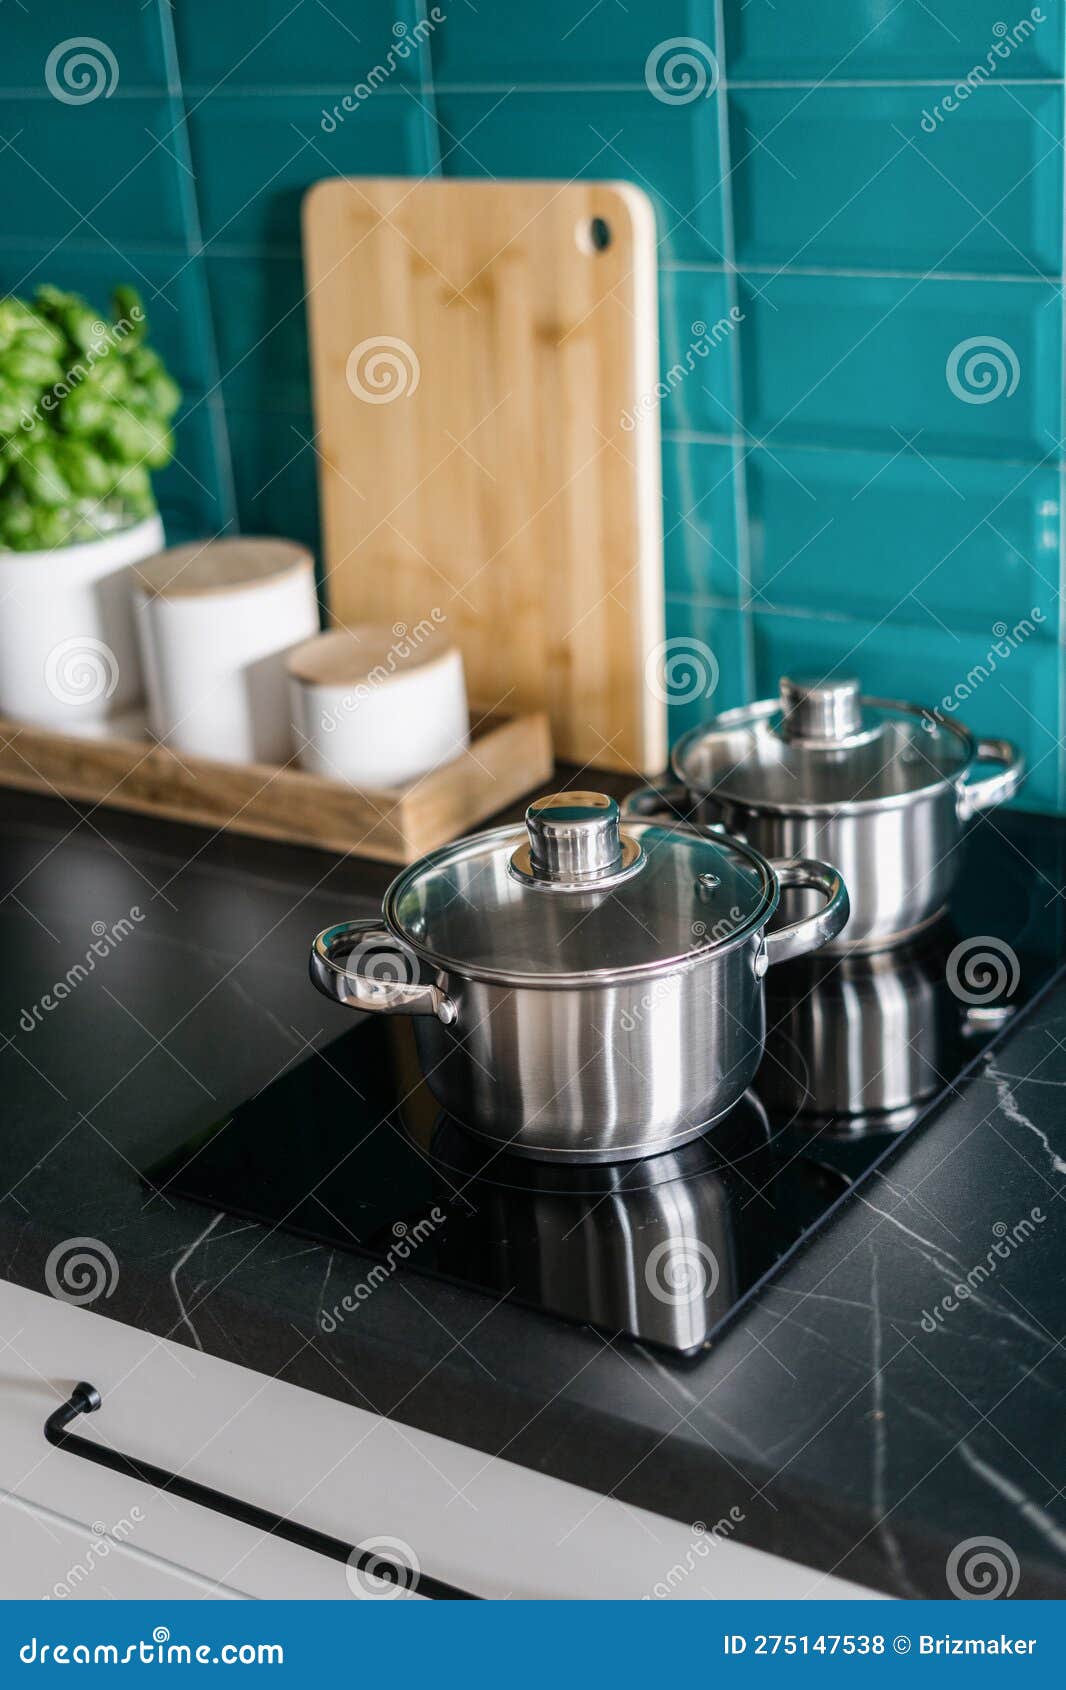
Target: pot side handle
x,y
363,966
666,800
811,931
670,803
994,789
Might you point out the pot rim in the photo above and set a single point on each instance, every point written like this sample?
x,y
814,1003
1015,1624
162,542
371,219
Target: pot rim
x,y
827,807
592,978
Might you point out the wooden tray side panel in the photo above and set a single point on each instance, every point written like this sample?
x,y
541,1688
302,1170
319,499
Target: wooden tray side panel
x,y
508,758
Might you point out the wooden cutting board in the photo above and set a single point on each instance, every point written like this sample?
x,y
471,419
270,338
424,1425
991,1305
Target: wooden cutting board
x,y
485,358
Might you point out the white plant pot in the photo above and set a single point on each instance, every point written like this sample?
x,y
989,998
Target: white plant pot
x,y
68,651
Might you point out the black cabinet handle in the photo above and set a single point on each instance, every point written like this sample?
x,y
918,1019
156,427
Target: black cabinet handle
x,y
86,1399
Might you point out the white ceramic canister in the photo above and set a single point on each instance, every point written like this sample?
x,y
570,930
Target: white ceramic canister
x,y
68,650
378,706
215,622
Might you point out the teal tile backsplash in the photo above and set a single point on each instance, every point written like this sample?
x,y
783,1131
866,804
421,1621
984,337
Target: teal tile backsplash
x,y
911,39
848,178
284,45
832,360
672,152
559,43
859,201
981,540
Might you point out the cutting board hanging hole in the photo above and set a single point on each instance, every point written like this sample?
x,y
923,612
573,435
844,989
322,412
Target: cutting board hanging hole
x,y
594,235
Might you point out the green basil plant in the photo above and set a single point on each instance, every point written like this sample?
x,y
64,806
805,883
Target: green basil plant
x,y
85,411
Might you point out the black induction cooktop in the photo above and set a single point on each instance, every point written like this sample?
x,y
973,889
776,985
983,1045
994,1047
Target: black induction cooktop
x,y
348,1147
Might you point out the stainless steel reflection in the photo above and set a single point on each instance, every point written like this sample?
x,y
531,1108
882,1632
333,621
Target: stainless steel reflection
x,y
587,1022
871,1037
659,1261
661,1248
877,787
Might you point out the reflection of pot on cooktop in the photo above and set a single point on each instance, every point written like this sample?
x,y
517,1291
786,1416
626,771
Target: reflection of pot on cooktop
x,y
660,1248
871,1037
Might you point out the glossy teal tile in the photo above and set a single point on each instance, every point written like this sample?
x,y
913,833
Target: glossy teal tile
x,y
286,44
671,152
946,543
700,520
123,51
1016,697
698,351
100,171
256,155
172,290
831,360
558,41
810,39
868,178
260,319
706,665
193,490
274,470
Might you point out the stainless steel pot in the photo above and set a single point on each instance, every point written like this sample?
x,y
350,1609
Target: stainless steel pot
x,y
877,787
581,991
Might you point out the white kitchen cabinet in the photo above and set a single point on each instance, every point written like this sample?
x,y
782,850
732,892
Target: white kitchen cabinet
x,y
44,1555
475,1521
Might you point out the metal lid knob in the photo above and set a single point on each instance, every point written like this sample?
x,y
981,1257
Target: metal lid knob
x,y
820,710
574,836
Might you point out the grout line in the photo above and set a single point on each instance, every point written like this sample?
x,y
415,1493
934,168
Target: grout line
x,y
324,90
851,272
946,82
222,452
739,478
427,87
1061,727
238,250
821,613
886,452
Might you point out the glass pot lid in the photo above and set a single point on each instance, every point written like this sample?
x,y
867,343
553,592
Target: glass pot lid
x,y
576,895
821,744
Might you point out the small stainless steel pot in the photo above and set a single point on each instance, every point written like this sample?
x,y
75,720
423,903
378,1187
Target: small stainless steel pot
x,y
581,991
877,787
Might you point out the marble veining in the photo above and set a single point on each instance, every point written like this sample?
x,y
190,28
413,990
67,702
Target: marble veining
x,y
1010,1110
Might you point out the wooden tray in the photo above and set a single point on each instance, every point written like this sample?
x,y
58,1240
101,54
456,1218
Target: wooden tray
x,y
508,757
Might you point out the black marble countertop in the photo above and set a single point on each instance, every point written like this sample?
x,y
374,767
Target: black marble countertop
x,y
850,1436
